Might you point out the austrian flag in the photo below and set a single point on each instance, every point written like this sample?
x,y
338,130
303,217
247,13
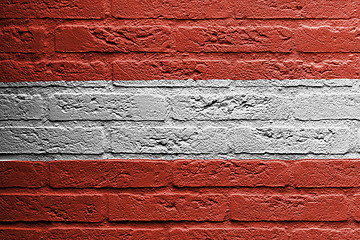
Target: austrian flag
x,y
179,119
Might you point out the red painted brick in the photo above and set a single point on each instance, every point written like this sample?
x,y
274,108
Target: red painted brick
x,y
327,39
171,69
328,69
318,233
289,208
110,39
326,173
114,173
56,208
15,71
272,69
265,69
107,234
252,173
228,233
21,233
357,207
167,207
75,9
21,39
184,9
299,9
234,39
23,174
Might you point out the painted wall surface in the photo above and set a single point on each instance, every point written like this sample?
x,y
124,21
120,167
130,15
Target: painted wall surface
x,y
164,119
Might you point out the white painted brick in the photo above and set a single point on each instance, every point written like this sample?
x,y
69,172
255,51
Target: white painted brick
x,y
223,83
169,140
291,140
21,107
51,140
327,106
230,107
107,107
218,118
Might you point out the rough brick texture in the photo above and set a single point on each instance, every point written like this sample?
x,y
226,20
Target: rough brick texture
x,y
266,207
237,39
162,197
174,159
198,39
229,173
107,107
315,233
54,208
21,106
117,174
51,140
105,39
23,174
171,69
19,39
167,207
15,71
107,233
168,140
342,39
179,119
78,9
302,9
185,9
21,233
290,140
228,233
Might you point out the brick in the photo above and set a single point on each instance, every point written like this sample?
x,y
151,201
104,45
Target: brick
x,y
286,207
280,70
229,107
176,84
51,140
21,39
55,208
327,39
23,174
264,69
234,39
77,9
291,140
312,84
107,233
168,140
228,233
357,207
21,233
327,106
300,9
113,173
328,69
14,71
318,233
356,144
21,106
105,106
171,69
111,39
230,173
167,207
185,9
326,173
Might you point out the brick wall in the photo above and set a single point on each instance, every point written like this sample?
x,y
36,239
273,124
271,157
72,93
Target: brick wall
x,y
198,39
247,126
181,199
